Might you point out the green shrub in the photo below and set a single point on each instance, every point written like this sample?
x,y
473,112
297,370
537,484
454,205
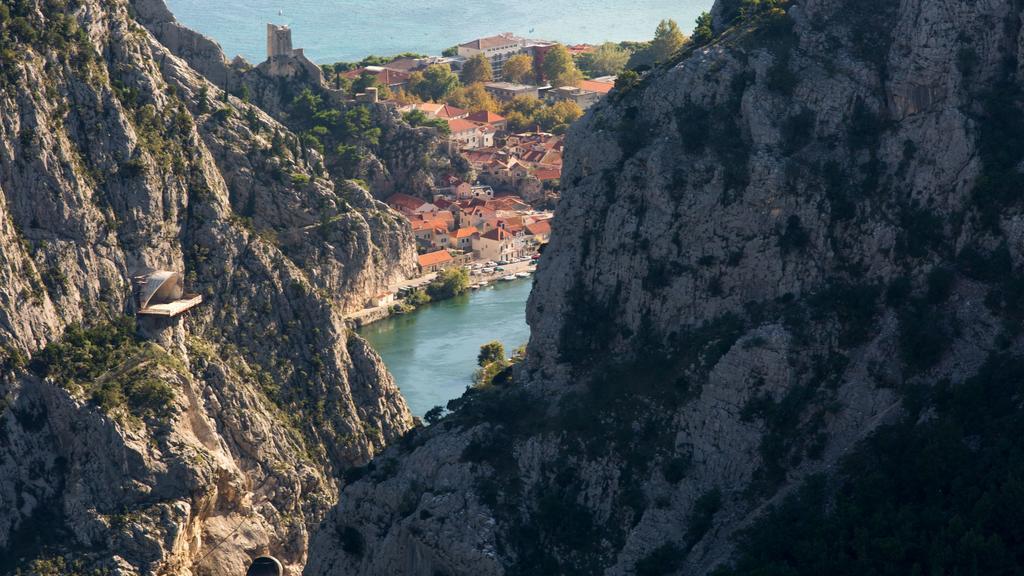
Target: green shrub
x,y
490,353
417,298
675,469
793,238
924,336
702,516
352,541
449,283
797,131
663,560
112,367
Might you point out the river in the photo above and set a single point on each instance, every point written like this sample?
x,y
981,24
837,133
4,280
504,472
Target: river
x,y
432,352
348,30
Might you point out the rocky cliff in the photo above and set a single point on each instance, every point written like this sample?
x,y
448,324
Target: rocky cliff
x,y
219,435
805,229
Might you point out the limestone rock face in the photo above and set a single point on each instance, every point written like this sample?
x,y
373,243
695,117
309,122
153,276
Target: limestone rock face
x,y
117,156
760,246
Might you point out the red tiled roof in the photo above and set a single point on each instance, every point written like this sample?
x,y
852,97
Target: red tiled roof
x,y
507,203
434,258
400,201
464,232
490,42
542,227
385,77
460,125
498,234
547,174
443,111
599,87
486,117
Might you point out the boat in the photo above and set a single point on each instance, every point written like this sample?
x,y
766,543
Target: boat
x,y
523,275
509,278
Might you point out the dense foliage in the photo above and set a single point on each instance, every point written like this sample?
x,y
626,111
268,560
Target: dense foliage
x,y
559,67
449,284
112,367
341,134
939,492
525,113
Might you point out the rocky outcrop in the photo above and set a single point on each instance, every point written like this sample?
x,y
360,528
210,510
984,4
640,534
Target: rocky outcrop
x,y
761,248
222,437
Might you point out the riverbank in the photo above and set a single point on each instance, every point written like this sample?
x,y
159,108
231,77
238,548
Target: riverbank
x,y
432,352
368,316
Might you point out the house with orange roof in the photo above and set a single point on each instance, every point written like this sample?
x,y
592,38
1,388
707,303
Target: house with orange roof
x,y
500,244
452,187
547,174
410,205
469,134
442,111
578,49
383,76
539,231
600,86
435,261
485,117
476,215
462,239
508,203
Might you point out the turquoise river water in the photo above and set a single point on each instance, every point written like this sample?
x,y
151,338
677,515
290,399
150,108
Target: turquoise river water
x,y
432,352
348,30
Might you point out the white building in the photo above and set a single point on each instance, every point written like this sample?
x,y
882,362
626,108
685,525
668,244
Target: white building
x,y
500,244
497,49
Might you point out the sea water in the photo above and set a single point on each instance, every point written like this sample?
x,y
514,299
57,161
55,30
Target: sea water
x,y
348,30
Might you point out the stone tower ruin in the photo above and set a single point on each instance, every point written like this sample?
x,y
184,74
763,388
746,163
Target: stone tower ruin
x,y
279,41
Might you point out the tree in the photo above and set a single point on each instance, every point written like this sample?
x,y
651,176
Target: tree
x,y
490,353
434,83
305,106
474,98
608,60
667,40
702,32
518,122
525,105
627,80
366,80
559,67
519,69
417,118
448,284
477,69
434,415
558,115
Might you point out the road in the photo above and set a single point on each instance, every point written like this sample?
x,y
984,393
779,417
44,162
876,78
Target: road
x,y
381,311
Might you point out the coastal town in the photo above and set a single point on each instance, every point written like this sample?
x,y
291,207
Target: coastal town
x,y
507,121
502,104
